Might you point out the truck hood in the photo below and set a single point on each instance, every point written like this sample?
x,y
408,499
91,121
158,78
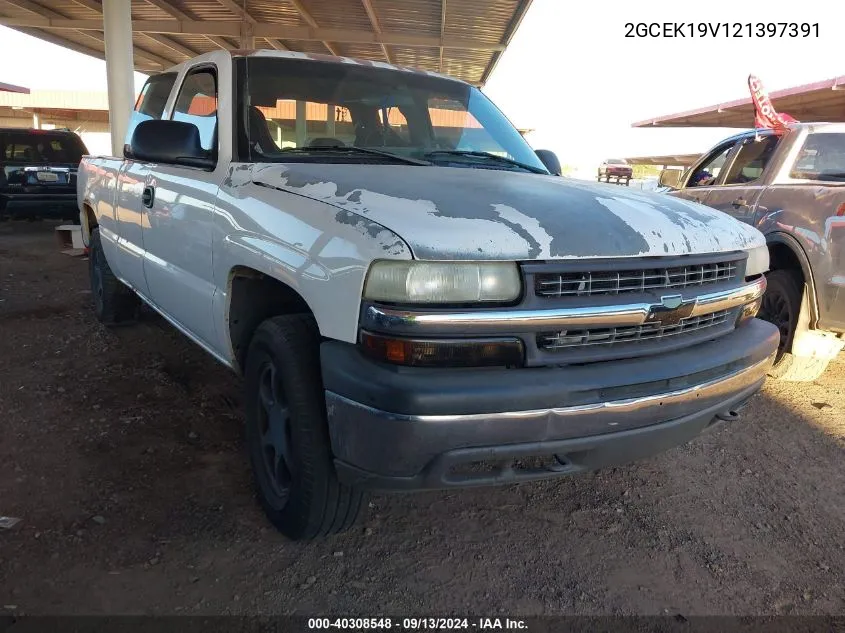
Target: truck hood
x,y
457,213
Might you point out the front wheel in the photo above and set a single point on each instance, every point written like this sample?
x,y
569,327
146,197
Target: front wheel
x,y
287,432
781,307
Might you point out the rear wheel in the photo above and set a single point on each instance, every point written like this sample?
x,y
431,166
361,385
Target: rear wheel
x,y
287,432
781,306
113,302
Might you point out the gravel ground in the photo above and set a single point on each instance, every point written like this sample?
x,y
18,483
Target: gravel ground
x,y
122,454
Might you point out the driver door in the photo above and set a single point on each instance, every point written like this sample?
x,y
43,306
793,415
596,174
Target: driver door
x,y
743,181
178,234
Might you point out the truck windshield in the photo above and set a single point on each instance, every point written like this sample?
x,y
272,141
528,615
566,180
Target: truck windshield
x,y
291,106
821,158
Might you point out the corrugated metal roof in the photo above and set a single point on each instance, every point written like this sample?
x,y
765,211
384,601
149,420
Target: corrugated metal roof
x,y
673,160
462,38
822,101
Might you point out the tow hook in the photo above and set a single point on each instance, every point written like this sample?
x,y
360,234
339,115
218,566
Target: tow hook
x,y
732,414
728,416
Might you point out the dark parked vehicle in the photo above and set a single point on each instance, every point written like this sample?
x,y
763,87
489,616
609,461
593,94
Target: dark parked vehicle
x,y
38,173
791,186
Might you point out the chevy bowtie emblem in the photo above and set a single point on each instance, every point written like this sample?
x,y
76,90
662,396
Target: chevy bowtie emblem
x,y
670,310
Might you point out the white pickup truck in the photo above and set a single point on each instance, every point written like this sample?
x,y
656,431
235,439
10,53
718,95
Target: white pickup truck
x,y
414,298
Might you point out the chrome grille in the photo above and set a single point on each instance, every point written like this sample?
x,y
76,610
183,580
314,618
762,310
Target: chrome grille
x,y
567,339
628,281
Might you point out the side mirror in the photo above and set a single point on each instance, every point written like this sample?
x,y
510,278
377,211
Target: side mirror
x,y
549,159
170,142
670,178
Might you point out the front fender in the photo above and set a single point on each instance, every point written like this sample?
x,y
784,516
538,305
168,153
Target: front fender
x,y
318,250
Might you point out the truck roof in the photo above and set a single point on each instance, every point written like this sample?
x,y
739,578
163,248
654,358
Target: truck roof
x,y
330,59
791,126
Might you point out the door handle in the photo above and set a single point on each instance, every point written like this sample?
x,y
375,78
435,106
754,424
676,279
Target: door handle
x,y
148,197
738,203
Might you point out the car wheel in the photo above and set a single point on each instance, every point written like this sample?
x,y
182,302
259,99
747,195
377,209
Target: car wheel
x,y
287,432
780,307
113,302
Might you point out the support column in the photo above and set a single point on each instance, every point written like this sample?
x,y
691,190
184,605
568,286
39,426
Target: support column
x,y
120,69
36,121
247,35
330,121
301,124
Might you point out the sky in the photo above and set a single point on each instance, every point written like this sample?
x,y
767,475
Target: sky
x,y
572,76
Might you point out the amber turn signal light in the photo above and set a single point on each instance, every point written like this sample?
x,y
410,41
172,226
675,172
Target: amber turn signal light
x,y
443,352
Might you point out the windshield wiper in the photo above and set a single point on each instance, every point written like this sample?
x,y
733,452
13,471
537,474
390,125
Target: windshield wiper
x,y
354,149
486,156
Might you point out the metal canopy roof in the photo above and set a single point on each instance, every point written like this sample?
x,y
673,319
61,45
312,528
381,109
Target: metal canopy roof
x,y
11,88
816,102
673,160
461,38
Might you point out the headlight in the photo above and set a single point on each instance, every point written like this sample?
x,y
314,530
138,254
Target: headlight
x,y
758,261
442,282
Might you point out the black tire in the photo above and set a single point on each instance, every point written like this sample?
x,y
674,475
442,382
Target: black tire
x,y
287,432
113,302
781,307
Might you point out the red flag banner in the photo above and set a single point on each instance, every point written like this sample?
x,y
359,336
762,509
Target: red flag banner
x,y
765,115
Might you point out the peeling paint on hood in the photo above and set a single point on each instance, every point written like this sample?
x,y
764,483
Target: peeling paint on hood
x,y
455,213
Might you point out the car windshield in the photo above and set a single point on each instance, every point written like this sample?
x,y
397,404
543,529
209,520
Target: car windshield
x,y
41,147
821,158
412,119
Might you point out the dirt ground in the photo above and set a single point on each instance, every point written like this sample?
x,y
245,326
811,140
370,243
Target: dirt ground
x,y
122,454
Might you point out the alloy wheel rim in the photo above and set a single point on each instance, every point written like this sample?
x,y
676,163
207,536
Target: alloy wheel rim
x,y
98,281
275,432
775,309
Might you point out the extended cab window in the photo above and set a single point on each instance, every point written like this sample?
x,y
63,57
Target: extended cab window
x,y
708,172
821,158
197,104
751,160
151,101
